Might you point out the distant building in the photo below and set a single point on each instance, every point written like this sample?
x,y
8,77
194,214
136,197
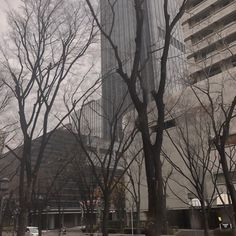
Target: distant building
x,y
89,118
49,196
66,186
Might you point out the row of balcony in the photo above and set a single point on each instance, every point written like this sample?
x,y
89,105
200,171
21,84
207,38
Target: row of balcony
x,y
202,6
219,74
210,20
213,58
213,38
225,78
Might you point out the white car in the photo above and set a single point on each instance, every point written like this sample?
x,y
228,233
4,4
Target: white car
x,y
31,231
82,227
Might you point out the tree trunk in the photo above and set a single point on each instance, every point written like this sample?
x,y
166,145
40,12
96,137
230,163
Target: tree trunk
x,y
22,221
40,221
156,206
1,228
25,204
25,190
155,210
161,201
2,216
90,218
138,217
205,219
228,180
156,200
105,216
60,218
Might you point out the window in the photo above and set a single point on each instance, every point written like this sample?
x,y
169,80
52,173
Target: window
x,y
201,35
204,53
220,179
199,17
214,70
167,125
233,61
230,39
217,25
196,77
229,19
231,140
174,42
196,2
226,2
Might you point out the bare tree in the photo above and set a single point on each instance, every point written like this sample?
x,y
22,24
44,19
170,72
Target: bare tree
x,y
104,157
134,180
193,160
118,202
5,95
152,149
87,187
218,102
47,39
55,175
4,101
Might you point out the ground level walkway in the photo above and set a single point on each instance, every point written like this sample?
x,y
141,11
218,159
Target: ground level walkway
x,y
76,231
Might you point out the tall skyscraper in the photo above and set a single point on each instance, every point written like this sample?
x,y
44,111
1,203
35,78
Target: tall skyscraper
x,y
210,36
120,23
89,118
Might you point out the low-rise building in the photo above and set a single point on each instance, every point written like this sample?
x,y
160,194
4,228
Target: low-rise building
x,y
66,189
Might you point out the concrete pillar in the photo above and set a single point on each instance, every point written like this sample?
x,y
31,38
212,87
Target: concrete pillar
x,y
195,219
76,219
62,219
51,221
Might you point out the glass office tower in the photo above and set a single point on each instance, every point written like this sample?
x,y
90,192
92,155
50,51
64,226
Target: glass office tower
x,y
120,23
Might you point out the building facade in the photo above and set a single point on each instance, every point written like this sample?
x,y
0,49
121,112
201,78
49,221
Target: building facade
x,y
67,192
210,36
89,118
209,28
121,25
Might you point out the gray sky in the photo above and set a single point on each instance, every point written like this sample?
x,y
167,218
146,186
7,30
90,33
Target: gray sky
x,y
92,58
4,6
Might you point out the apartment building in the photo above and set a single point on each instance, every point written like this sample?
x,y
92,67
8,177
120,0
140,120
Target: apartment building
x,y
210,35
209,28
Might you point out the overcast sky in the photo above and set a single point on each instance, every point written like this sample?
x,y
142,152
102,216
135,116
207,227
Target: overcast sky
x,y
92,58
4,6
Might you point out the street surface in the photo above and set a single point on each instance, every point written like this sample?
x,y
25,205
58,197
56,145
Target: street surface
x,y
54,233
70,232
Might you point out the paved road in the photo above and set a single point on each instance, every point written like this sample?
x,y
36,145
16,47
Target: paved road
x,y
54,233
68,233
76,231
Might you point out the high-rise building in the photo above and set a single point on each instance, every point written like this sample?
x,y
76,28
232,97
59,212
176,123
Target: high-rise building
x,y
121,25
89,118
210,35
